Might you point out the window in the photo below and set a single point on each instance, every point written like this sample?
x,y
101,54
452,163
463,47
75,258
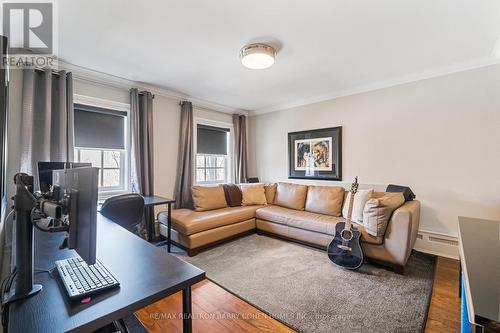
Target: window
x,y
100,140
211,168
109,162
212,158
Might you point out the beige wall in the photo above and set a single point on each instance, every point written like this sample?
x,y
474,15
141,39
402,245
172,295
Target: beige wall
x,y
440,136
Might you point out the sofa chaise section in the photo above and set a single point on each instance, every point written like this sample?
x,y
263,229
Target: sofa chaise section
x,y
194,230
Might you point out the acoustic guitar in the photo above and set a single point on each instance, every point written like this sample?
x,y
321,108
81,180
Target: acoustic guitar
x,y
345,249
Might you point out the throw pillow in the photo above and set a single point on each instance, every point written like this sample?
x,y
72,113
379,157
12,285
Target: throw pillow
x,y
360,199
270,192
253,194
233,195
325,200
208,198
291,196
378,211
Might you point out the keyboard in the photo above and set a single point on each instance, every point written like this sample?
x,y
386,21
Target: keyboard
x,y
81,280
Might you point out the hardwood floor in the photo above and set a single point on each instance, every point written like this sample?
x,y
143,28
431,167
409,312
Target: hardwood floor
x,y
444,311
216,310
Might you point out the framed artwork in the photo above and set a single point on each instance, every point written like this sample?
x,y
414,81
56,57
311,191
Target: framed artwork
x,y
315,154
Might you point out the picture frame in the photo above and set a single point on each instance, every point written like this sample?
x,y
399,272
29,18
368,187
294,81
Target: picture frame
x,y
315,154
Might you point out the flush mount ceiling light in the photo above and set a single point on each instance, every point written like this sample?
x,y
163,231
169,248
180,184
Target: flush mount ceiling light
x,y
257,56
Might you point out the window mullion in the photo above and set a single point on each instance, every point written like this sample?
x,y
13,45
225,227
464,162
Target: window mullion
x,y
211,172
102,168
206,165
122,169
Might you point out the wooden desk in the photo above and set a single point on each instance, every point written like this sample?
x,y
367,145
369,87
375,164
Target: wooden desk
x,y
479,244
146,274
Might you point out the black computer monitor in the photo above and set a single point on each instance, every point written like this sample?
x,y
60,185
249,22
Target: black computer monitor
x,y
45,172
82,185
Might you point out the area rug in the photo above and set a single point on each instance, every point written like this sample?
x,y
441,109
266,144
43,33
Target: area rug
x,y
300,287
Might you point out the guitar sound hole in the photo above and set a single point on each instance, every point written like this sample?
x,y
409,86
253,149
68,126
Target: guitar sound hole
x,y
346,235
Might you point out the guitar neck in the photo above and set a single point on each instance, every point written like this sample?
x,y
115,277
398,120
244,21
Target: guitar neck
x,y
348,223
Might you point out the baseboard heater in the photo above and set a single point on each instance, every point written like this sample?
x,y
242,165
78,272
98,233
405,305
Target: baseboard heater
x,y
437,244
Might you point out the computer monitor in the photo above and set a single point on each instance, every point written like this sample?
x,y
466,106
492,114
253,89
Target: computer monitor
x,y
81,184
45,172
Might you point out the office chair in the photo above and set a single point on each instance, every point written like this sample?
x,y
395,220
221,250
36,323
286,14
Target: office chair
x,y
127,210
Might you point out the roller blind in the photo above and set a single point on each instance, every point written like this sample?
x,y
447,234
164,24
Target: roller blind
x,y
99,128
212,140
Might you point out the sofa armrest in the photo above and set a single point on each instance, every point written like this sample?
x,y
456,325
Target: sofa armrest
x,y
402,231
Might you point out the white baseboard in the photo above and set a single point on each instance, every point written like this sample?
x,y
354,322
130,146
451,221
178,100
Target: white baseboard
x,y
437,244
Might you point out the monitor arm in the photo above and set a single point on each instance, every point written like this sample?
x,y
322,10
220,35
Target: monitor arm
x,y
25,205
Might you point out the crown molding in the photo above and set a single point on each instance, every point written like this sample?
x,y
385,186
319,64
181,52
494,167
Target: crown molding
x,y
456,68
92,76
108,80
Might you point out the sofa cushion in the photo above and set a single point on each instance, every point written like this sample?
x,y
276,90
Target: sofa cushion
x,y
325,200
233,195
299,219
188,222
208,198
206,237
270,192
360,199
378,211
310,222
291,196
253,194
366,237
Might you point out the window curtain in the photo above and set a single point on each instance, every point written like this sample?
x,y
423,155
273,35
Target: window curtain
x,y
47,128
240,148
185,159
141,129
141,148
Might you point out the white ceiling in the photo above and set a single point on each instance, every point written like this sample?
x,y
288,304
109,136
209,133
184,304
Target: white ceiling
x,y
326,48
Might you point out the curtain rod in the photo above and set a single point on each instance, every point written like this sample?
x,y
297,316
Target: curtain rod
x,y
196,106
143,92
55,72
43,70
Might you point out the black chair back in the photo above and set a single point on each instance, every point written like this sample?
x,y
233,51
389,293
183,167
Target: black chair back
x,y
127,210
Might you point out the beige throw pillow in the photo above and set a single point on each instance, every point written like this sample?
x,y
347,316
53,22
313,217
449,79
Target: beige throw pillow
x,y
253,194
360,199
378,211
270,192
291,196
208,198
325,200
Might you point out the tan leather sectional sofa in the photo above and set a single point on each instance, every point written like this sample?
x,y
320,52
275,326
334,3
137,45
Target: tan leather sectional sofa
x,y
300,213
